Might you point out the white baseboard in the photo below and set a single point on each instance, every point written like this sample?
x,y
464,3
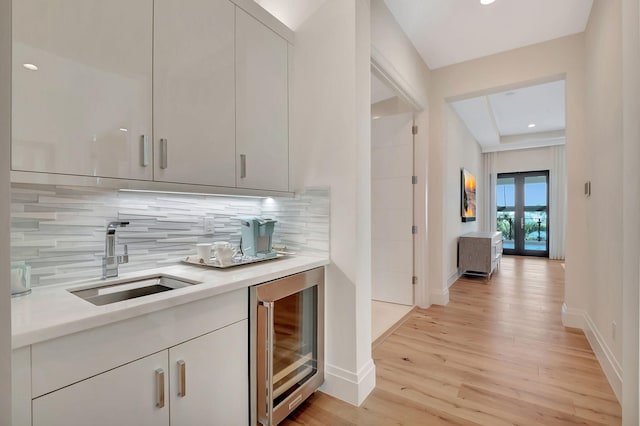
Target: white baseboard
x,y
573,317
348,386
453,278
610,365
439,297
578,318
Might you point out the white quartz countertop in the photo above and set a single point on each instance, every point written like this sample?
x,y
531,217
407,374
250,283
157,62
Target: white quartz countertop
x,y
52,311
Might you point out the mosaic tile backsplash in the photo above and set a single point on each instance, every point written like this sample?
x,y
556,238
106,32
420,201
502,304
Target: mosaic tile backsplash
x,y
60,231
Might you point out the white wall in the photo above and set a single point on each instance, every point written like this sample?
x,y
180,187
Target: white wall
x,y
563,57
393,52
331,147
604,166
462,151
630,208
525,160
5,141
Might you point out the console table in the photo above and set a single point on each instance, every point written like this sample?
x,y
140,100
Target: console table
x,y
479,253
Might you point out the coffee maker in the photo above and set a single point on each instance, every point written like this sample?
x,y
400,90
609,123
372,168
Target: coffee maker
x,y
256,237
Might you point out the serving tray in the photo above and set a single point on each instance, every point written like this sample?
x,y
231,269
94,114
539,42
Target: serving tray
x,y
237,261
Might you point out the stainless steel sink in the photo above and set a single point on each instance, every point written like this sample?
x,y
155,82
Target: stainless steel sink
x,y
130,289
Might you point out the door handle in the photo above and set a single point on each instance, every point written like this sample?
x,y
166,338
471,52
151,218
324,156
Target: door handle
x,y
145,150
182,368
268,307
163,154
160,388
243,166
522,223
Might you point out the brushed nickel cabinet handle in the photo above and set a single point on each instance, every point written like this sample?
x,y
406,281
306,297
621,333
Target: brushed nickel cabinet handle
x,y
160,388
243,166
164,154
144,139
183,378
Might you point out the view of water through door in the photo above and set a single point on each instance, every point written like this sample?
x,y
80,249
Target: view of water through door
x,y
522,212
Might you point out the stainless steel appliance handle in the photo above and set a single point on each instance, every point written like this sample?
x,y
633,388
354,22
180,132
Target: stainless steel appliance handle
x,y
160,388
182,369
144,139
269,358
243,166
163,154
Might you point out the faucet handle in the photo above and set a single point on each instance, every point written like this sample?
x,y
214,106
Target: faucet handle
x,y
116,223
125,257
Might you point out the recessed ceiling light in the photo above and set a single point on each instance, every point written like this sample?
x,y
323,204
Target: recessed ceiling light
x,y
122,129
30,67
486,2
531,126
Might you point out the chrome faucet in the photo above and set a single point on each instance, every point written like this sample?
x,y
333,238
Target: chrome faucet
x,y
110,261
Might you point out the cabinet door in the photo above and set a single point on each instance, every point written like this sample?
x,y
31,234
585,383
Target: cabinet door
x,y
126,395
86,109
215,368
194,96
21,387
262,132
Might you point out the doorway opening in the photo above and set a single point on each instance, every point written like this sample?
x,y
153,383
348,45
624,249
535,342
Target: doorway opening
x,y
392,207
522,212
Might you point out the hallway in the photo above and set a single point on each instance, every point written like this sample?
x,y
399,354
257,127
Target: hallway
x,y
497,354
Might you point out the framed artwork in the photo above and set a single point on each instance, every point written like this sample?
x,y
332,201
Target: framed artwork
x,y
468,196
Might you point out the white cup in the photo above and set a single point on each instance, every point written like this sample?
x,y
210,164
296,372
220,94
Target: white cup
x,y
224,252
204,251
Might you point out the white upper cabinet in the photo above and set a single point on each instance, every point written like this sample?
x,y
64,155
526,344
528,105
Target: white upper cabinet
x,y
194,93
190,92
87,107
262,108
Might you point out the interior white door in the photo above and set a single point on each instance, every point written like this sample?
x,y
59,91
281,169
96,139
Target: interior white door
x,y
126,395
210,378
194,92
392,208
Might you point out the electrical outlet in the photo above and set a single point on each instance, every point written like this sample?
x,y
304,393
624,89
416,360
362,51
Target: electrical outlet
x,y
613,330
209,225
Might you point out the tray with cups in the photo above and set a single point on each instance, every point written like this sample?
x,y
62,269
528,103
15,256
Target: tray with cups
x,y
222,254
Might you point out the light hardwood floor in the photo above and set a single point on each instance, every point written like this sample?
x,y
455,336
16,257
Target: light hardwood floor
x,y
497,354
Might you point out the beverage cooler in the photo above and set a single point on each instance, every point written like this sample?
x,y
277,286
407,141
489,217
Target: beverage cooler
x,y
287,344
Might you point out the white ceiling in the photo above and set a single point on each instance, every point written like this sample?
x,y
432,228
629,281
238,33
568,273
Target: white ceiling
x,y
292,13
500,121
447,32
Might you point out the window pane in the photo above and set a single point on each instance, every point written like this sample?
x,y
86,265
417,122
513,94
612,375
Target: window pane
x,y
505,193
535,191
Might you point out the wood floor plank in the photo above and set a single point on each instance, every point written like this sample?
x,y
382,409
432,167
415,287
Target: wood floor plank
x,y
497,354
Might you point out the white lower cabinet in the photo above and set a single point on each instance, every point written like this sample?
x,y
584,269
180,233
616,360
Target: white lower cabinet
x,y
182,366
126,395
200,382
205,389
21,386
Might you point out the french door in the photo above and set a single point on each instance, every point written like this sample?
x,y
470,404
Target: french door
x,y
522,205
